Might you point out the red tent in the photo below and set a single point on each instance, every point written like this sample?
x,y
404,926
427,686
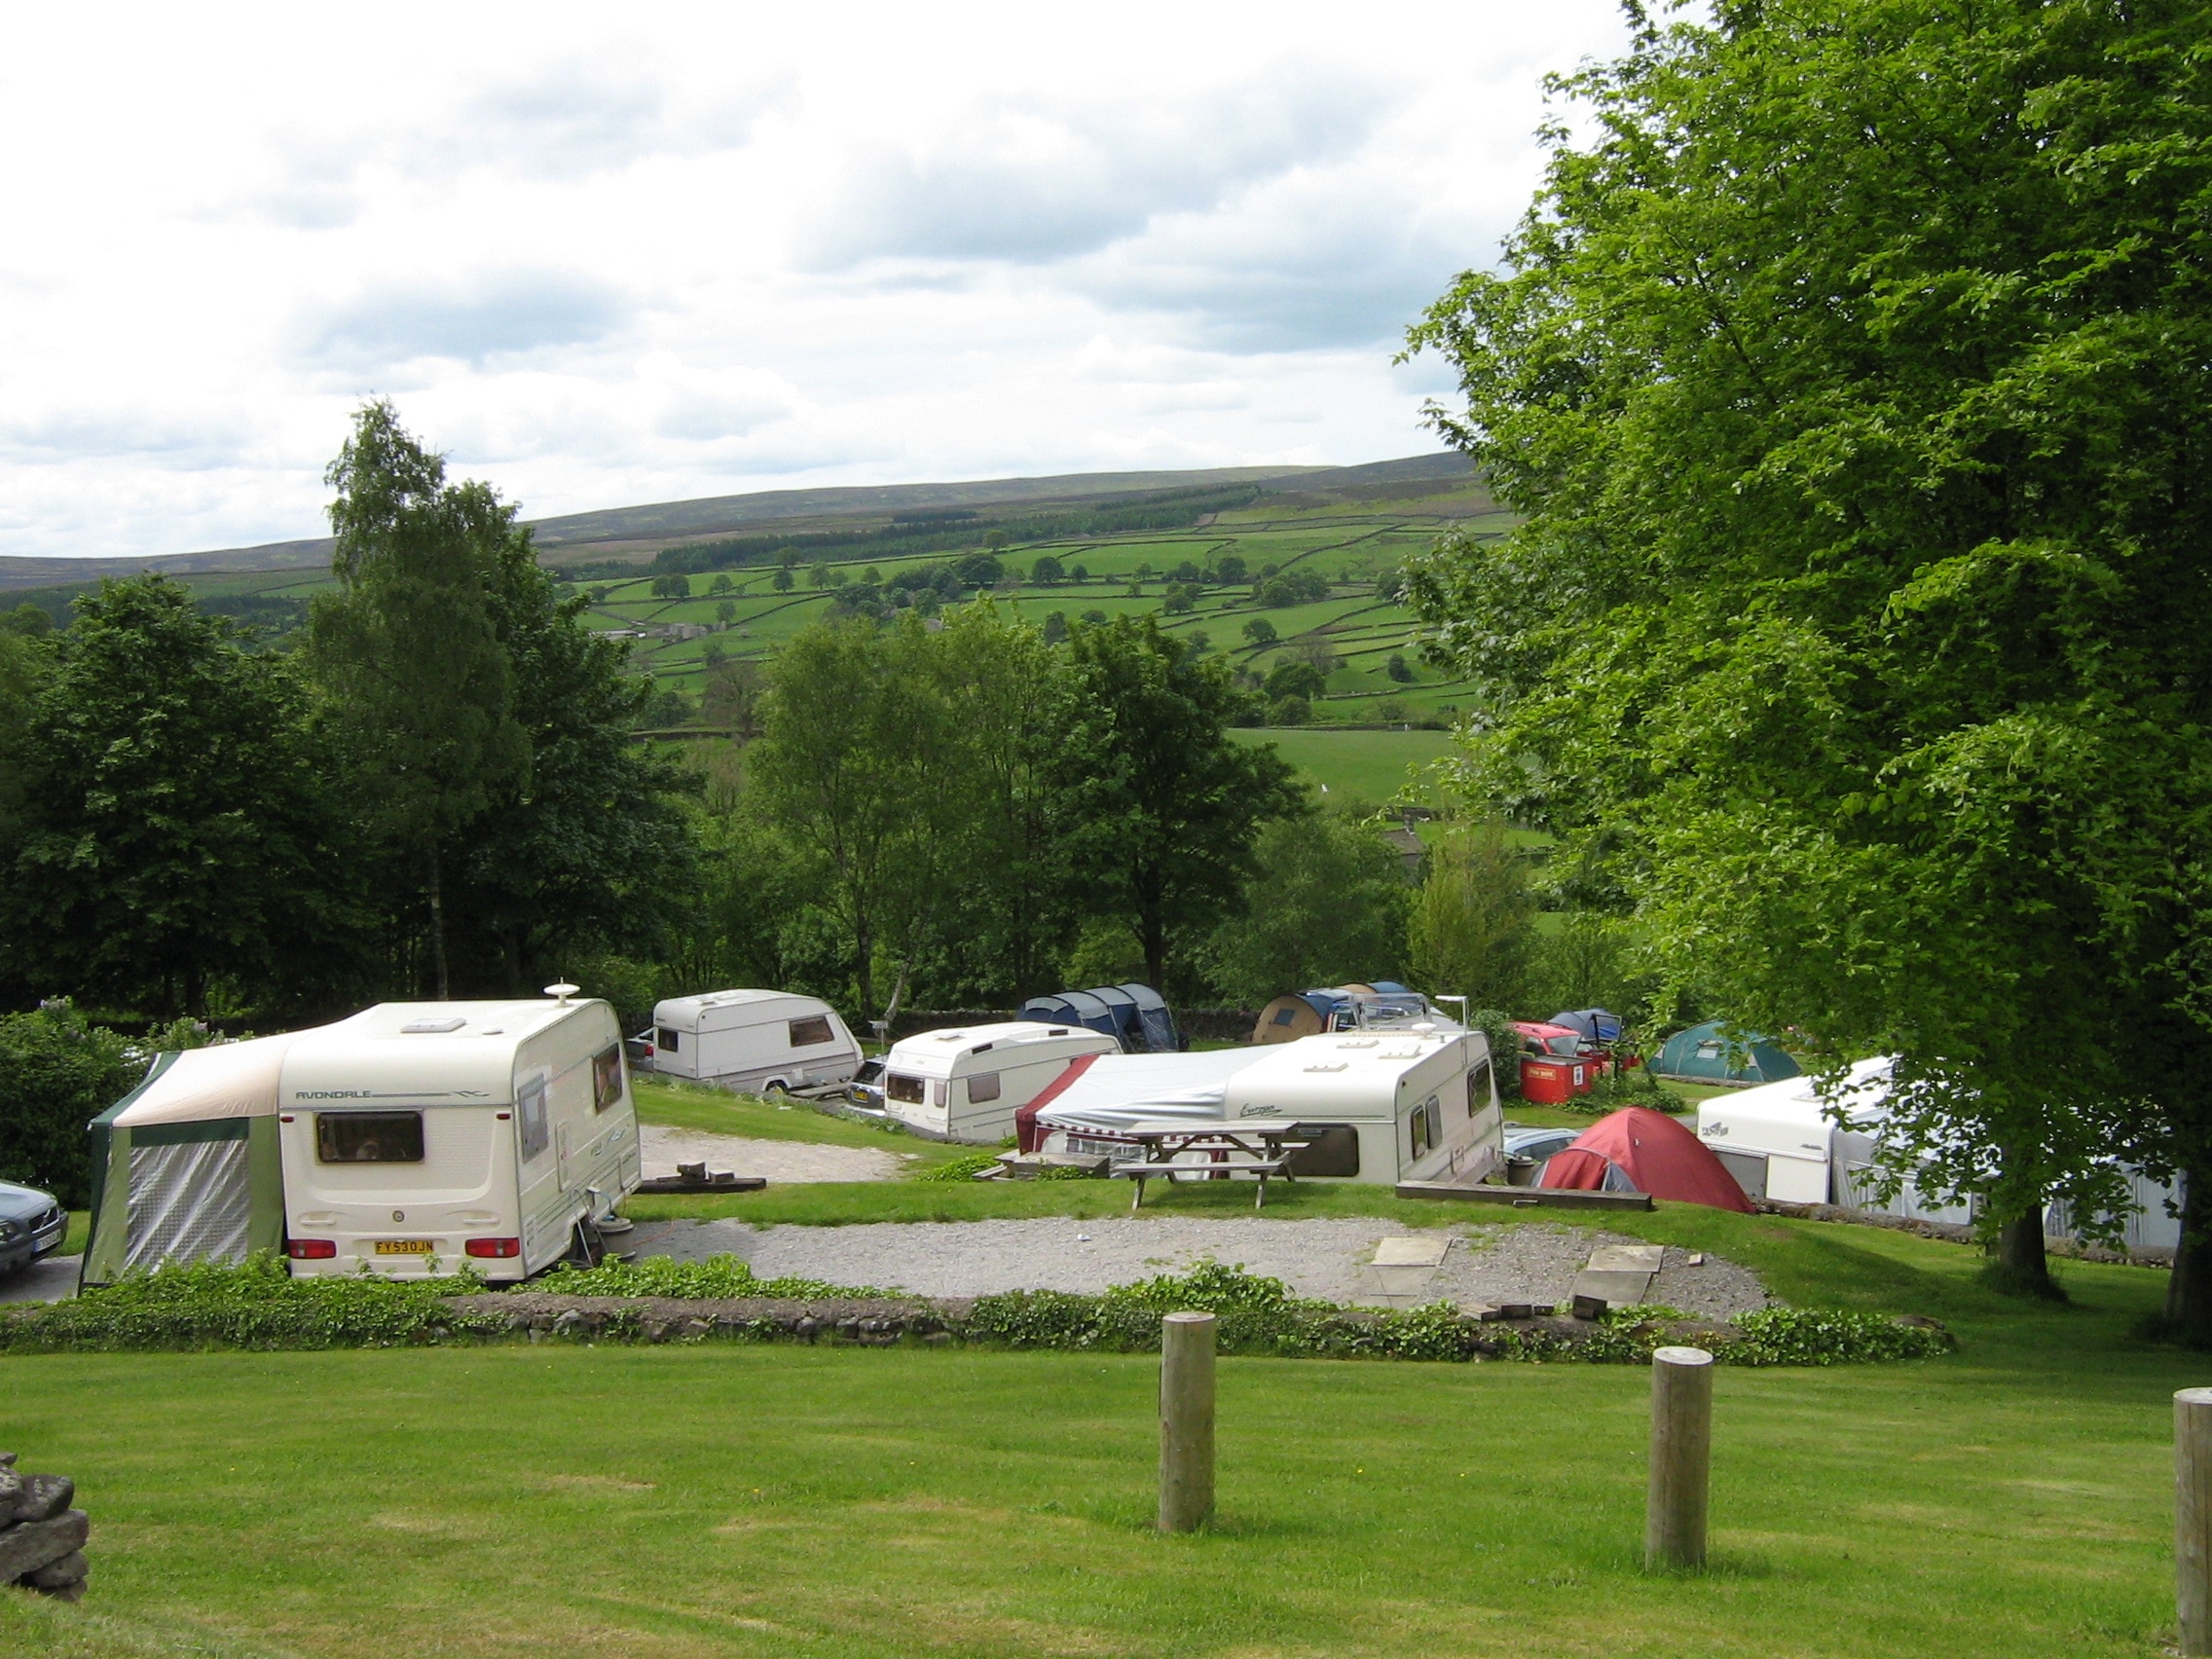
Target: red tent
x,y
1653,1153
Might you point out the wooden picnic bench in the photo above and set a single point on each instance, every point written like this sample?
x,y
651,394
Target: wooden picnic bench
x,y
1233,1149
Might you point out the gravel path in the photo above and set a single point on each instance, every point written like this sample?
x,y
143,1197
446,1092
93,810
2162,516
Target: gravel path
x,y
778,1160
1326,1258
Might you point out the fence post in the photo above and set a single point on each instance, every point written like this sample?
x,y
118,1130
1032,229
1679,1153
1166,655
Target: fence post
x,y
2192,1518
1681,1458
1186,1421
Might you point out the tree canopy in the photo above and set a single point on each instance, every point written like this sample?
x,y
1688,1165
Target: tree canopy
x,y
1849,376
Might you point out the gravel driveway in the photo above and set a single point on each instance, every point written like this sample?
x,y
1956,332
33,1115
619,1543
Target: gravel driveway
x,y
778,1160
1327,1258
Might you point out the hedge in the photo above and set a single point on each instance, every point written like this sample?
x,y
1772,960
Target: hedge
x,y
259,1304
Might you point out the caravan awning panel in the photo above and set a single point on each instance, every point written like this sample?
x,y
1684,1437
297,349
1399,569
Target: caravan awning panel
x,y
230,1080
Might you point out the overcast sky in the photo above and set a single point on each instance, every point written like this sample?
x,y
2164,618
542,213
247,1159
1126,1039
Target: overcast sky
x,y
607,255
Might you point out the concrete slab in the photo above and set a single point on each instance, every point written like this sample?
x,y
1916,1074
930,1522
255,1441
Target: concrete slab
x,y
1627,1258
1617,1289
1411,1252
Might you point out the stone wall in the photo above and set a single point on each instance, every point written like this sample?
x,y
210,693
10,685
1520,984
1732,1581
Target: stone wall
x,y
42,1539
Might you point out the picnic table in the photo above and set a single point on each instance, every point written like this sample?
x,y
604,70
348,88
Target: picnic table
x,y
1255,1147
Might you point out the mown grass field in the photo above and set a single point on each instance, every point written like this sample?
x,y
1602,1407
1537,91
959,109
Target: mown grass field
x,y
2012,1499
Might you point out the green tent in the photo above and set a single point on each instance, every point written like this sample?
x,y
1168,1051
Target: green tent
x,y
186,1167
1701,1054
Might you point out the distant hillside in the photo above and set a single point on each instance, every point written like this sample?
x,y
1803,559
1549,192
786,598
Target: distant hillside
x,y
637,534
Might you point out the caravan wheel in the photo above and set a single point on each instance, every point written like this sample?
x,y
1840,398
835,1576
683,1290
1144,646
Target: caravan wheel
x,y
777,1089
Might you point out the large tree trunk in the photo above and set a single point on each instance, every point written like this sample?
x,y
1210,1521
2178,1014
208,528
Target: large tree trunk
x,y
1155,941
2189,1292
438,927
2021,1266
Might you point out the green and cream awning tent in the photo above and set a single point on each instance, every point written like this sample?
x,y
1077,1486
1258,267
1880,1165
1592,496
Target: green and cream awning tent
x,y
186,1167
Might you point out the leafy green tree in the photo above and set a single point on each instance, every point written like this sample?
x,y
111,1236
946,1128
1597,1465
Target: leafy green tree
x,y
1293,678
780,582
56,1073
854,762
173,825
1472,932
1326,906
725,612
1290,710
1056,627
1846,381
1230,570
675,587
1260,631
1160,806
721,584
1398,669
28,621
408,651
589,851
818,576
980,571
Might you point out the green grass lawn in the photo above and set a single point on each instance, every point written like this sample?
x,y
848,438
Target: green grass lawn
x,y
2013,1500
719,1112
1370,766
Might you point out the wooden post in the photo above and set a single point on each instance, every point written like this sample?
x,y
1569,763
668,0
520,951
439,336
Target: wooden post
x,y
2192,1518
1186,1421
1682,1456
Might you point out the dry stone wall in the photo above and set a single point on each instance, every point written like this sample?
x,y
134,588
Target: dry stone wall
x,y
42,1538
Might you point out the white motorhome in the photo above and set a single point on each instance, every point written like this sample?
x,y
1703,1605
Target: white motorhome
x,y
1380,1107
420,1136
754,1040
967,1085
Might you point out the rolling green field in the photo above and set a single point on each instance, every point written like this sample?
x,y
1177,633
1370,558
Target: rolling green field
x,y
2012,1499
1348,543
1371,766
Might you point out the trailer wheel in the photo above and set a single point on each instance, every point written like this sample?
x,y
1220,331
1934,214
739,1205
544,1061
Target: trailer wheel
x,y
777,1089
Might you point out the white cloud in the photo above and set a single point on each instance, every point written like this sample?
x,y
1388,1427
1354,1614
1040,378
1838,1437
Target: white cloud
x,y
677,250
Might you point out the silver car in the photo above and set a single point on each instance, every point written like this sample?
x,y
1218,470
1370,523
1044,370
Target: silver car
x,y
31,1226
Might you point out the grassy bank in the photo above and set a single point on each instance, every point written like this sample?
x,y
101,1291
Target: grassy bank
x,y
731,1500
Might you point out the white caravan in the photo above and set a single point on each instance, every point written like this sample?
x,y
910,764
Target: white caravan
x,y
754,1040
1780,1144
967,1085
1376,1106
418,1137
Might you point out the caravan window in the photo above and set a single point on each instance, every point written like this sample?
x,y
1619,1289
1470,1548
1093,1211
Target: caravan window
x,y
807,1033
536,1124
368,1137
1427,1125
607,1076
982,1086
665,1038
898,1085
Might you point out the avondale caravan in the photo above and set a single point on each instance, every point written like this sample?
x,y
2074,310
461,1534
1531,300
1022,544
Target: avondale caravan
x,y
754,1040
410,1139
420,1136
967,1085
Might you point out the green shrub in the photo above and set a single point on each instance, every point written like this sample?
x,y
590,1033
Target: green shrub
x,y
57,1075
256,1304
716,1278
963,1168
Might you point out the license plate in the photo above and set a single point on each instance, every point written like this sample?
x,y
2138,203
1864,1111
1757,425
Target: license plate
x,y
405,1247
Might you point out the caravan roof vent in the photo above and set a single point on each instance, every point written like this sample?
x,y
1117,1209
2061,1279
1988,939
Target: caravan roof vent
x,y
432,1027
560,993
